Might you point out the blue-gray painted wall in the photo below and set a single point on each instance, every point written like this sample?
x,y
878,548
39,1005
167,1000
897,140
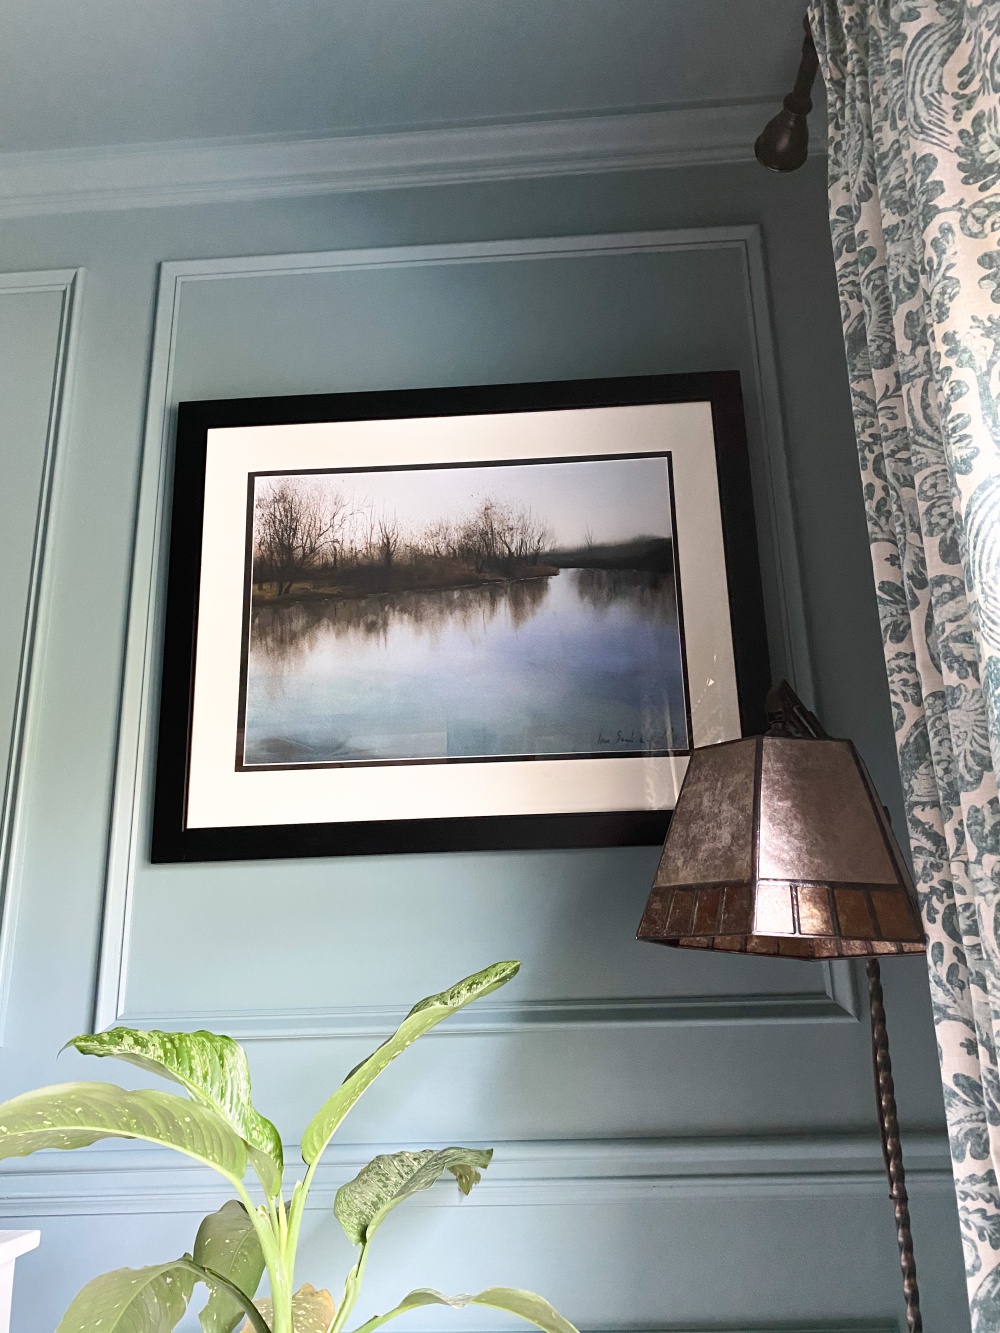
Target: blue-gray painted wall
x,y
682,1140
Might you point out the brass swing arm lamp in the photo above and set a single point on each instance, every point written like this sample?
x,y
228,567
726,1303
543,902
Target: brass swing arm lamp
x,y
802,863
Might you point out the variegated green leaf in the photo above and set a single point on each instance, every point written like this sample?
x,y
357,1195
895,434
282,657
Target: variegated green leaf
x,y
312,1311
131,1300
421,1018
214,1070
525,1304
228,1245
363,1203
73,1115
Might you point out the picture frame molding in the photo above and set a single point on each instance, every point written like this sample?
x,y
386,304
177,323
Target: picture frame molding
x,y
67,285
135,756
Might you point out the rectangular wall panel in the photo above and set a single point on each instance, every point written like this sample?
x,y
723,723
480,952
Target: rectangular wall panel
x,y
351,321
35,317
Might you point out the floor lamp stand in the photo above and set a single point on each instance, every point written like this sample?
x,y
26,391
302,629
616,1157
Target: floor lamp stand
x,y
892,1150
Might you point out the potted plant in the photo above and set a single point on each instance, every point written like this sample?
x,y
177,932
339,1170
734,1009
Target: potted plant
x,y
218,1126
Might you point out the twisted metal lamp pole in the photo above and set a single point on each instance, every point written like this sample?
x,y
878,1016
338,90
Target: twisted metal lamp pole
x,y
789,717
885,1094
803,864
783,145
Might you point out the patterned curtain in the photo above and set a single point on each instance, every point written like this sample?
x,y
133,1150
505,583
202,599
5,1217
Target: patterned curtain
x,y
913,89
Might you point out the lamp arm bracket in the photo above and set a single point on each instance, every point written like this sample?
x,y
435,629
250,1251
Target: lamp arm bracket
x,y
788,715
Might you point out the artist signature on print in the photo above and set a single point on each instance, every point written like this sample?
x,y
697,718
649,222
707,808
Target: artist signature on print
x,y
640,740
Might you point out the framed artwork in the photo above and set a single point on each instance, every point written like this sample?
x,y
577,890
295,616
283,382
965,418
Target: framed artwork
x,y
493,617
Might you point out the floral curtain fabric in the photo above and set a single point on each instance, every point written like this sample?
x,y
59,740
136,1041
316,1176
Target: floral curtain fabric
x,y
913,90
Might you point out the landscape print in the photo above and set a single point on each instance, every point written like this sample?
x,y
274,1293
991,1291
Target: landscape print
x,y
507,611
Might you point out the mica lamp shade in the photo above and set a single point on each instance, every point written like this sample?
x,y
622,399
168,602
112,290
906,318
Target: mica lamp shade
x,y
780,845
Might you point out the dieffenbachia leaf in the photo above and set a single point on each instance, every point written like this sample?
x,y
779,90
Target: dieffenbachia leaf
x,y
362,1204
525,1304
214,1070
131,1300
421,1018
228,1245
312,1311
73,1115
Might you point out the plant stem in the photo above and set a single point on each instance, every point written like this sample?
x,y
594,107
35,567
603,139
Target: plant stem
x,y
216,1280
281,1298
378,1320
279,1270
352,1288
299,1196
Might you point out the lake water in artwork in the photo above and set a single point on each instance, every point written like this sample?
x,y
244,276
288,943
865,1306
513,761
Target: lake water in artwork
x,y
579,662
510,610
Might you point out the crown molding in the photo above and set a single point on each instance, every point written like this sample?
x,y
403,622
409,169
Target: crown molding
x,y
222,171
523,1173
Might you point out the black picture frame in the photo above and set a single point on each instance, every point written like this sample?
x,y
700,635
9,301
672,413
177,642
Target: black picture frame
x,y
172,841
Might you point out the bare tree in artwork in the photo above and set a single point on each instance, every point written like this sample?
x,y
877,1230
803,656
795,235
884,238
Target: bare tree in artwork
x,y
293,529
339,516
387,538
499,537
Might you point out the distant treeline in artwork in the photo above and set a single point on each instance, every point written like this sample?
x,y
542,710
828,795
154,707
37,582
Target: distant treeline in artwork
x,y
313,541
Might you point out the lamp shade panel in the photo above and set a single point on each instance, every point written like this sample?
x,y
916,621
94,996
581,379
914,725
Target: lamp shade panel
x,y
711,838
816,820
780,845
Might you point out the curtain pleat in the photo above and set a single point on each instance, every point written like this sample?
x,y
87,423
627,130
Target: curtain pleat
x,y
914,192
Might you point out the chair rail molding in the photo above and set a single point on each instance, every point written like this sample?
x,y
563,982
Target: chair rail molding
x,y
272,167
66,283
526,1173
135,754
836,1002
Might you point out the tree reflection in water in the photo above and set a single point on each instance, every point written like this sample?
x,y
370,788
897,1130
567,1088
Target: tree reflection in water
x,y
283,634
648,593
